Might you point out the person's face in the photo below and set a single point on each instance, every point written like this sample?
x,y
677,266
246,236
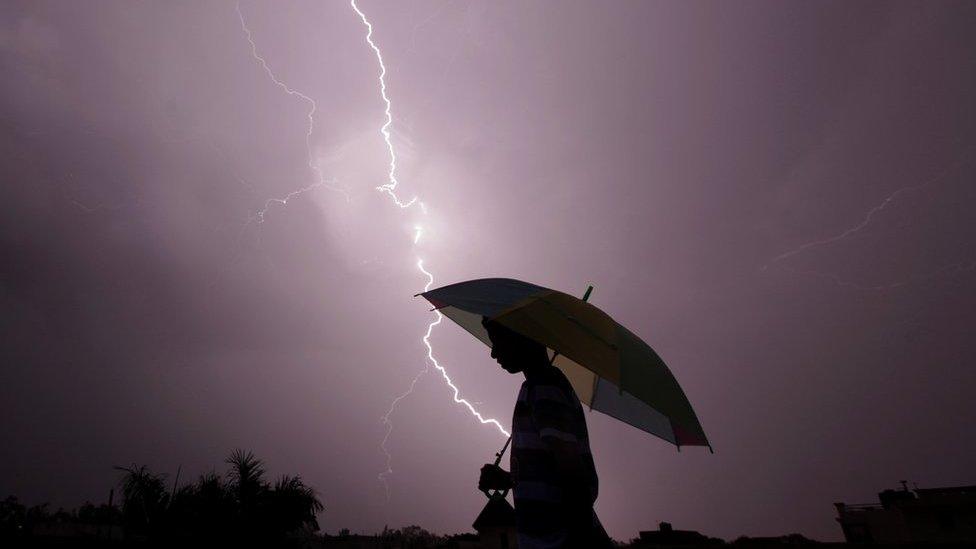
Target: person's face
x,y
507,351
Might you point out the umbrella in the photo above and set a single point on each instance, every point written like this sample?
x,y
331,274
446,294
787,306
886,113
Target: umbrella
x,y
612,370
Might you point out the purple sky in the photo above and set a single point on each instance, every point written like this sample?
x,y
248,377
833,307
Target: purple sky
x,y
666,152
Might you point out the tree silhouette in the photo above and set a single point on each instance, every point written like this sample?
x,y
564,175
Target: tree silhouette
x,y
204,509
240,505
144,498
293,505
247,485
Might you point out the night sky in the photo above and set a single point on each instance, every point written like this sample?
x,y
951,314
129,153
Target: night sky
x,y
777,196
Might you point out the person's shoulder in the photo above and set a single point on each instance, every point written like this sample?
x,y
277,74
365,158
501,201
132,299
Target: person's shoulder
x,y
558,374
552,386
555,376
548,375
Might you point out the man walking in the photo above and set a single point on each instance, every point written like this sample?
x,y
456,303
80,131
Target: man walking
x,y
552,477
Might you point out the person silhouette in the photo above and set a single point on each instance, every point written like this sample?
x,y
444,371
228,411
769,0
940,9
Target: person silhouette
x,y
553,478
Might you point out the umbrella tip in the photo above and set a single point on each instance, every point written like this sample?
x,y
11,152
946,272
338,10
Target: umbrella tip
x,y
589,290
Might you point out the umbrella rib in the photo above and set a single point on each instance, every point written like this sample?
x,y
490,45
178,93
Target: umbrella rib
x,y
596,381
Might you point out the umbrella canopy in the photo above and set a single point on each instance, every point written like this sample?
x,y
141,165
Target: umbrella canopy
x,y
612,370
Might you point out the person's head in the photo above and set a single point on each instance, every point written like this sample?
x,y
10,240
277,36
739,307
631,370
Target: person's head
x,y
513,351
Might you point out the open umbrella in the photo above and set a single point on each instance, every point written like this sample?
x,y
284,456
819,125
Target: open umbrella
x,y
612,370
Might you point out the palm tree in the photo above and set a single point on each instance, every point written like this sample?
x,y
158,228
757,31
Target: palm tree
x,y
144,497
203,509
214,500
292,505
247,486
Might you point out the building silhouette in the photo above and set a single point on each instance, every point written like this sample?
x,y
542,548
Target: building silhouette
x,y
666,535
922,515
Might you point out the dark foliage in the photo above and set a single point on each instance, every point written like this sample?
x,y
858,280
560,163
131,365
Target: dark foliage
x,y
238,506
241,504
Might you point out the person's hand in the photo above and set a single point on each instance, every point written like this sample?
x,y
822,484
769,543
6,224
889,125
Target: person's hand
x,y
494,477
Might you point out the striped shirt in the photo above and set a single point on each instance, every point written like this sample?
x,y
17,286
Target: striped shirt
x,y
555,482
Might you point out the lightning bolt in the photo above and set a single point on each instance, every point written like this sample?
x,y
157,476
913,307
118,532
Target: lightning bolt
x,y
443,372
431,361
388,424
259,215
858,227
320,179
389,188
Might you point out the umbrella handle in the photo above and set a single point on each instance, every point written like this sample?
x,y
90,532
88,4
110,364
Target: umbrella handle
x,y
500,453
